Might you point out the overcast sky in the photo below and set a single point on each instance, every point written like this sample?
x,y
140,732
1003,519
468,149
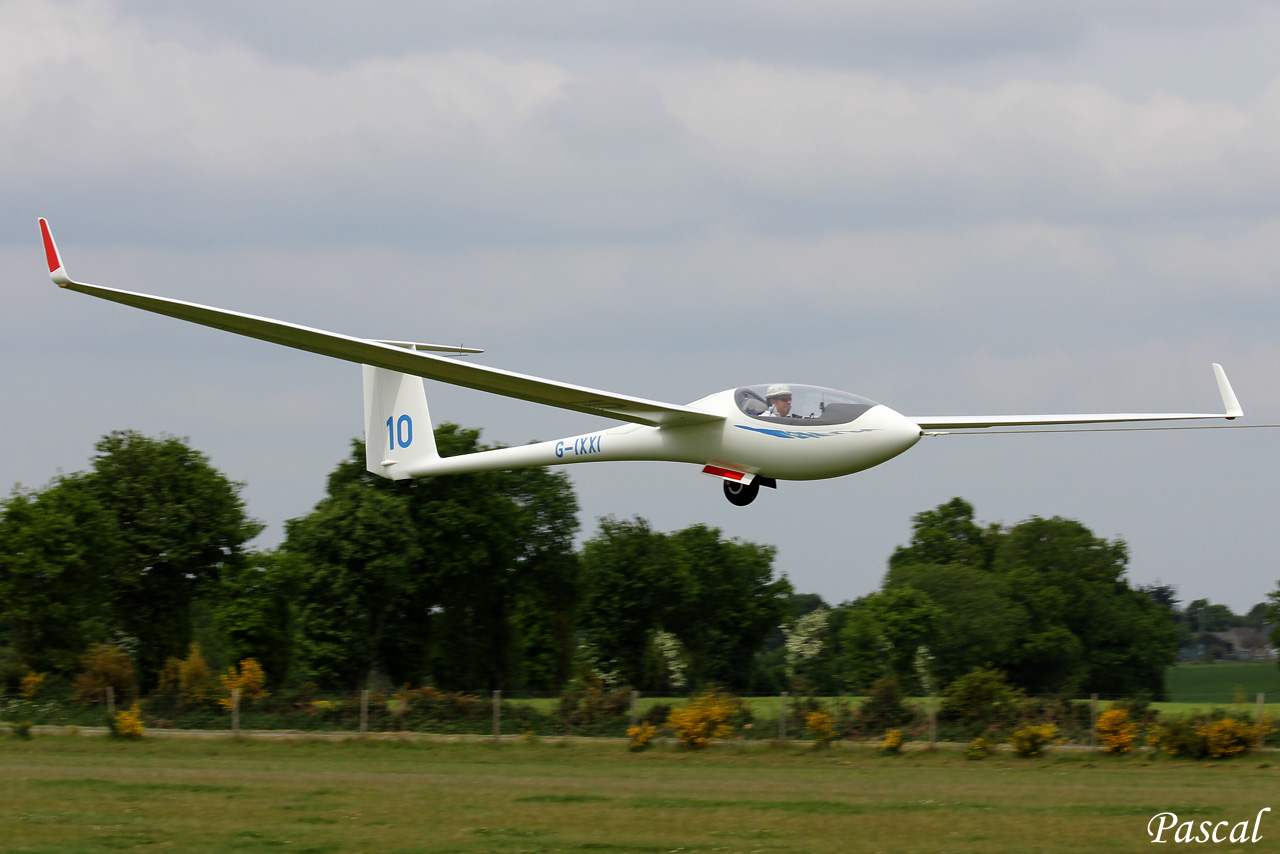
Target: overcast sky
x,y
989,207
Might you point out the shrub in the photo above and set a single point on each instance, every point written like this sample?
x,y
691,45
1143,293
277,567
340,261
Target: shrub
x,y
30,684
658,713
707,716
892,744
821,728
641,737
983,695
104,666
20,729
979,748
586,702
128,724
884,707
1177,737
1032,739
195,679
1227,737
250,678
1115,731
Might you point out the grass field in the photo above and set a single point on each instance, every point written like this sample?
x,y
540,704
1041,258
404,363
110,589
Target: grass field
x,y
1223,682
81,793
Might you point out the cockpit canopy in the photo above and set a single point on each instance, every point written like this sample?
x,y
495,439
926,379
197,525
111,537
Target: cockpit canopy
x,y
809,404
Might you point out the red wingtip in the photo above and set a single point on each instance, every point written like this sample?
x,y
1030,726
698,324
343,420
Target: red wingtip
x,y
50,250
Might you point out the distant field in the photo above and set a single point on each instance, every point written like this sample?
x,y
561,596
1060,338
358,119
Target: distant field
x,y
75,794
1223,681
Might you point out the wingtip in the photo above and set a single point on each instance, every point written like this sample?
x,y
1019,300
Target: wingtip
x,y
1229,401
57,271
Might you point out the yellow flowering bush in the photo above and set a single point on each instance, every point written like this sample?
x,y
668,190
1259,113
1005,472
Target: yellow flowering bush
x,y
194,678
1227,737
821,727
1032,739
707,716
892,742
250,678
30,684
641,737
979,748
1115,731
128,724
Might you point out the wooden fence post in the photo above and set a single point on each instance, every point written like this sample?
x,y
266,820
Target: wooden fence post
x,y
1262,711
497,714
364,711
1093,721
111,704
933,721
235,712
635,709
782,719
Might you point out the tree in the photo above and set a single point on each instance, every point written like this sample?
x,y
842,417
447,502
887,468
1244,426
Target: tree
x,y
977,622
357,553
1046,601
947,536
628,576
726,604
1086,630
717,596
178,522
466,580
888,634
255,612
55,591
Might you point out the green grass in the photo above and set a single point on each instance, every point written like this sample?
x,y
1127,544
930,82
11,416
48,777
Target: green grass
x,y
84,794
1223,682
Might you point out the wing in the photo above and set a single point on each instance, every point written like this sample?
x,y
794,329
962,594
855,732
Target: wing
x,y
405,357
957,422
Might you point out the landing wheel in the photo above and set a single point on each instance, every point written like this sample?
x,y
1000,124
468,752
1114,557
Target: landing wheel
x,y
739,493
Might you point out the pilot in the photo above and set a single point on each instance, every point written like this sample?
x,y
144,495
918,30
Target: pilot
x,y
779,397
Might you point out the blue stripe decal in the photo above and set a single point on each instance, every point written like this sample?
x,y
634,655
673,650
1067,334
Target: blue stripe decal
x,y
802,434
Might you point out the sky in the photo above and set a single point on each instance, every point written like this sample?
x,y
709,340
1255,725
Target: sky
x,y
977,208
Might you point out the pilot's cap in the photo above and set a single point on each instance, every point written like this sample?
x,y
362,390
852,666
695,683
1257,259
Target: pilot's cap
x,y
777,390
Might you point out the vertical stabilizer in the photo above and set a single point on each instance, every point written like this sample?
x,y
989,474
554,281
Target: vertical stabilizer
x,y
397,425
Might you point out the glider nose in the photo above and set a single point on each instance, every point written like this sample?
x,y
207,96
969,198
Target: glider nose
x,y
902,431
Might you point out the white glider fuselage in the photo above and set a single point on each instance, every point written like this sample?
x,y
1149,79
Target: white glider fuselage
x,y
796,448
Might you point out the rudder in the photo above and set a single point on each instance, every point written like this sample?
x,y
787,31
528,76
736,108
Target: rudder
x,y
397,424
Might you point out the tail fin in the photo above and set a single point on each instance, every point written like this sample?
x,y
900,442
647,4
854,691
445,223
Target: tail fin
x,y
397,425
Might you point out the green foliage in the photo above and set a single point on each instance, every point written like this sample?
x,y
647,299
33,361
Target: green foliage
x,y
977,620
717,596
468,580
179,522
982,698
884,707
55,598
255,613
1044,600
884,634
120,551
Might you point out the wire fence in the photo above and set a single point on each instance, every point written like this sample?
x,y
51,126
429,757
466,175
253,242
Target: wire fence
x,y
604,713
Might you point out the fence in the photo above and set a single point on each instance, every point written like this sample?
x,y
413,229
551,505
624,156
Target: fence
x,y
600,713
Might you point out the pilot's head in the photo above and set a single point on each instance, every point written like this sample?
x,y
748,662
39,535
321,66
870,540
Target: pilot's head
x,y
779,397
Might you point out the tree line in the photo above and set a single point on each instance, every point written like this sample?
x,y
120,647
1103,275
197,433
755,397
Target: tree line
x,y
470,582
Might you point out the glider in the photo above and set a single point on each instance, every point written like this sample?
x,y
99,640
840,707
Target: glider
x,y
748,437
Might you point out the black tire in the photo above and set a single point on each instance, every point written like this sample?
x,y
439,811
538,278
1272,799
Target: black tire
x,y
741,494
